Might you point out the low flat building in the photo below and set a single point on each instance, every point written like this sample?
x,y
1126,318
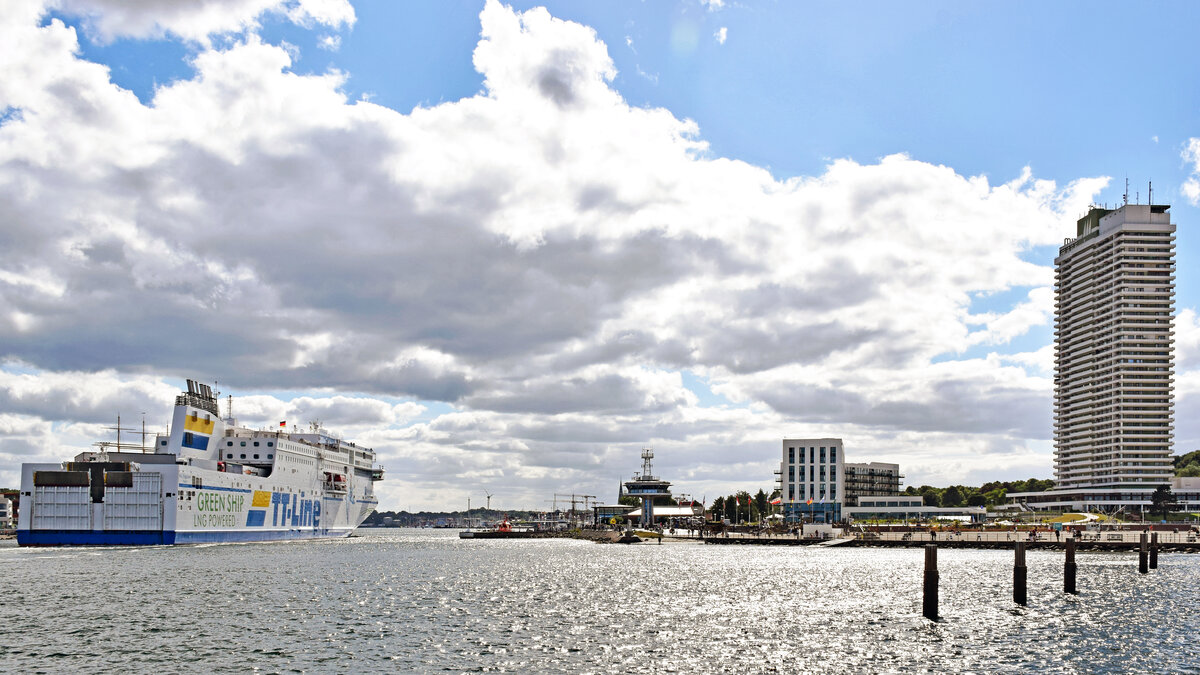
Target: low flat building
x,y
665,512
907,507
1130,499
609,514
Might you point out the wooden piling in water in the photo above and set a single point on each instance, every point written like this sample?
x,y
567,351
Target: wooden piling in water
x,y
1069,568
1153,550
1143,565
1020,575
930,603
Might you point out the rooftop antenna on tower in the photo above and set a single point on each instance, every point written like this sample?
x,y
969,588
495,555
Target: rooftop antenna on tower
x,y
1150,193
1125,196
647,455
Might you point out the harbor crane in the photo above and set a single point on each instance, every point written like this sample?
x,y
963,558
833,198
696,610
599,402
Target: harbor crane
x,y
574,500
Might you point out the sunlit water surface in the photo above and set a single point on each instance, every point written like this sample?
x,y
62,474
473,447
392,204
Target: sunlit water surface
x,y
426,601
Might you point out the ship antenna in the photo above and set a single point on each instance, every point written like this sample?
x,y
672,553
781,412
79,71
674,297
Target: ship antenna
x,y
231,406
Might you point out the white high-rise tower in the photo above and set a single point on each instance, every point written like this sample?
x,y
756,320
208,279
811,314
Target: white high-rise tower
x,y
1113,358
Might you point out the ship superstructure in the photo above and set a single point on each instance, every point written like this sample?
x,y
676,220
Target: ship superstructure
x,y
207,480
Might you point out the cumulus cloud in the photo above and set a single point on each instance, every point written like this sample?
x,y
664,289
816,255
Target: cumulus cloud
x,y
1191,186
508,286
196,20
330,42
721,35
81,397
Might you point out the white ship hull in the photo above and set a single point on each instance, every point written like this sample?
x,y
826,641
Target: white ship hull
x,y
219,485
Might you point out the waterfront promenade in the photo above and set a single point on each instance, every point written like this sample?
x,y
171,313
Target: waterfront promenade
x,y
1108,540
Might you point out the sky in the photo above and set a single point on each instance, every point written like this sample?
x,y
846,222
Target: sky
x,y
509,245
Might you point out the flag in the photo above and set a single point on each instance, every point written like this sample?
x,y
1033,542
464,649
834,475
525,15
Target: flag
x,y
283,424
809,501
778,500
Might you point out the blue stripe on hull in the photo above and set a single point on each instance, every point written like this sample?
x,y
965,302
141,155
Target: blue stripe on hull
x,y
92,538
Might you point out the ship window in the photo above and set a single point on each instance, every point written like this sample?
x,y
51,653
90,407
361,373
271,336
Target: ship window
x,y
163,443
243,455
256,457
270,444
243,444
229,455
256,444
270,456
229,443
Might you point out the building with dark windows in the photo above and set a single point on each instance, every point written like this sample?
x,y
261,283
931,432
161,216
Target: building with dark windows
x,y
871,479
812,479
1113,361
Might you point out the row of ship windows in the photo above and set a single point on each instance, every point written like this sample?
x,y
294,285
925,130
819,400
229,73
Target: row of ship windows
x,y
270,444
229,455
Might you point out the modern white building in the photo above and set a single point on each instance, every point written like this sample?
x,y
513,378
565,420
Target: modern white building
x,y
1113,361
811,479
871,479
908,507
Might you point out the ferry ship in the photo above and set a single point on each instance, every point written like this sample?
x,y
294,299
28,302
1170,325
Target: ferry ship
x,y
207,480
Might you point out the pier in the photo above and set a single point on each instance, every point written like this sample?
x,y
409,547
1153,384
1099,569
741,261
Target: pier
x,y
1119,540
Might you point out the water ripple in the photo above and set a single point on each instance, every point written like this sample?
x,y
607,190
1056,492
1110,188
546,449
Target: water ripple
x,y
413,601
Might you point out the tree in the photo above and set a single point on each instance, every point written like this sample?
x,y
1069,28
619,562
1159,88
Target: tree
x,y
718,508
743,510
760,501
952,496
1162,499
977,499
1186,459
996,496
932,495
